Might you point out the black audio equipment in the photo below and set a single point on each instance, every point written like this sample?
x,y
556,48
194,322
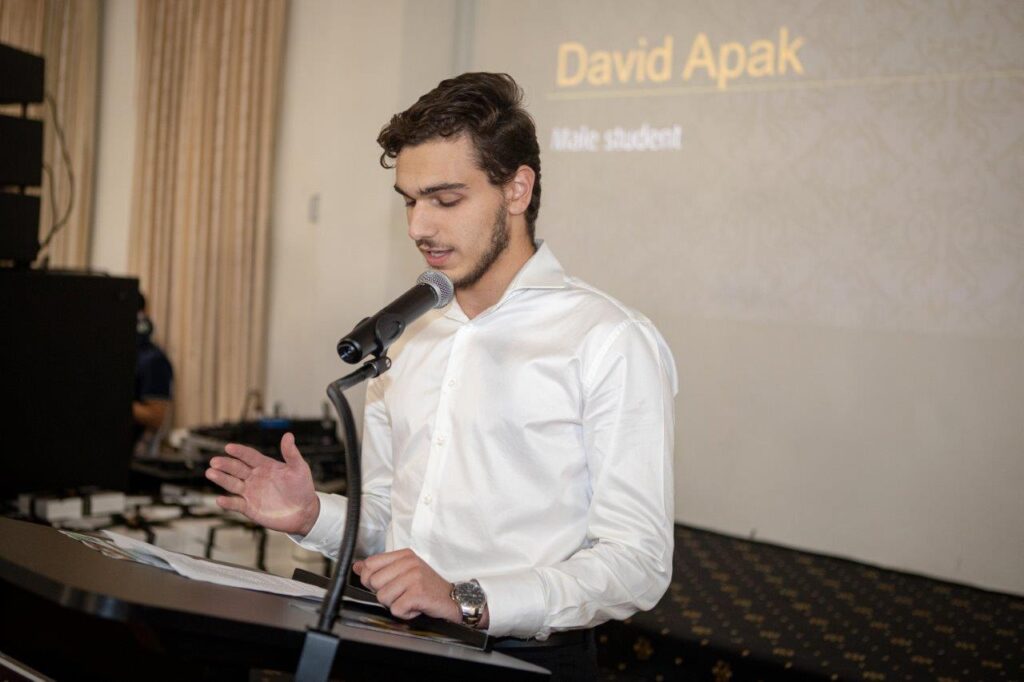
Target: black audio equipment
x,y
19,227
21,162
21,76
67,378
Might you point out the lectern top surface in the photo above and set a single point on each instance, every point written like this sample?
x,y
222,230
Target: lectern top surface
x,y
51,565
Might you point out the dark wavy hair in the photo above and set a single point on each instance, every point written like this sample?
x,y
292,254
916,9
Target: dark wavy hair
x,y
488,108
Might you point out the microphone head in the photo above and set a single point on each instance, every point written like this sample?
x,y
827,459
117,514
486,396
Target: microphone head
x,y
441,285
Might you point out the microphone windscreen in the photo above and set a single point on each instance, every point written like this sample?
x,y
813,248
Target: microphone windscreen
x,y
441,284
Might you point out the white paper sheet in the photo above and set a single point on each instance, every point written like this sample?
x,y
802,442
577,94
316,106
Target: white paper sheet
x,y
218,574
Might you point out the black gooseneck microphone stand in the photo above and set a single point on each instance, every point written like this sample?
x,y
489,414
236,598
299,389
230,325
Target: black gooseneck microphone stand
x,y
321,644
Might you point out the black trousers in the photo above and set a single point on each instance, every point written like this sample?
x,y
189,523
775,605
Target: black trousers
x,y
574,662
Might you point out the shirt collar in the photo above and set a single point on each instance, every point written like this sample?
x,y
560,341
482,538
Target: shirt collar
x,y
541,271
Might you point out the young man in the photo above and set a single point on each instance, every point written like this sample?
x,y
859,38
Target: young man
x,y
517,458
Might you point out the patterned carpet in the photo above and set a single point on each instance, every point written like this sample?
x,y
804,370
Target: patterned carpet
x,y
741,610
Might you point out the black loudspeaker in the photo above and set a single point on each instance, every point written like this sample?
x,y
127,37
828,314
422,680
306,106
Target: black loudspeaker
x,y
19,227
21,156
67,379
21,162
21,76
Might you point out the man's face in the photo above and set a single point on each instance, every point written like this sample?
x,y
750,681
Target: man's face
x,y
457,218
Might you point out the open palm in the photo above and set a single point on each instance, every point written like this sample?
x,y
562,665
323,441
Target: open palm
x,y
277,495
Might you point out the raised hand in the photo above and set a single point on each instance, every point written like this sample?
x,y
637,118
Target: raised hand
x,y
277,495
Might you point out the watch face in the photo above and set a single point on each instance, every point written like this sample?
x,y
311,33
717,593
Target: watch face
x,y
469,594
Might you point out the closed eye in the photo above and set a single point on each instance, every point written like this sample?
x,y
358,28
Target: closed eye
x,y
447,202
443,203
444,195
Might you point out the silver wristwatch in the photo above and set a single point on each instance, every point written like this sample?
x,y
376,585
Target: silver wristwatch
x,y
471,600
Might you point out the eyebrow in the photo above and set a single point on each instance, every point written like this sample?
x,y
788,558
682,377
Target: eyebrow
x,y
433,189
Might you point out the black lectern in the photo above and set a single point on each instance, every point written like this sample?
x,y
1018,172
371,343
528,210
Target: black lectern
x,y
72,613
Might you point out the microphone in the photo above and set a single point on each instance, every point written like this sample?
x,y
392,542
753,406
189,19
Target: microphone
x,y
373,335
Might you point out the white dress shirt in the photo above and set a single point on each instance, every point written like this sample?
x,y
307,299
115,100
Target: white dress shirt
x,y
529,448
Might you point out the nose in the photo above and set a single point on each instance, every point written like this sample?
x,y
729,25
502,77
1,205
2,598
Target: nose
x,y
421,223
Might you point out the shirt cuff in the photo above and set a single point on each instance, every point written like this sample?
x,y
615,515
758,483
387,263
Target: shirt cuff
x,y
517,604
325,535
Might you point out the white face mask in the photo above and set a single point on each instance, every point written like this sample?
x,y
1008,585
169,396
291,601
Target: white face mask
x,y
143,326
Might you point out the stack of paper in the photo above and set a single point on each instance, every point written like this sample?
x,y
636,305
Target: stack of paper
x,y
211,572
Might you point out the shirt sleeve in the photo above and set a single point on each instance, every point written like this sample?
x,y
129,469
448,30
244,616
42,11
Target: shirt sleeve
x,y
628,434
155,376
375,511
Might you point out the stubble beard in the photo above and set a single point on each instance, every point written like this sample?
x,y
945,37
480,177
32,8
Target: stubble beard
x,y
499,242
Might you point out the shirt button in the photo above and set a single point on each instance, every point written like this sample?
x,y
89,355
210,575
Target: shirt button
x,y
451,383
427,499
440,439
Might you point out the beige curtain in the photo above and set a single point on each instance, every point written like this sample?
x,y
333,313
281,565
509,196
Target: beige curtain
x,y
208,76
66,33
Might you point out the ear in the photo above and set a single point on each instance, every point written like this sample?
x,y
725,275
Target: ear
x,y
519,190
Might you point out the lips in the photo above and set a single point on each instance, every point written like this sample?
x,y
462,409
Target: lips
x,y
436,257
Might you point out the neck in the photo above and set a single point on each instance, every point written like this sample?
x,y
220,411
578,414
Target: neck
x,y
489,289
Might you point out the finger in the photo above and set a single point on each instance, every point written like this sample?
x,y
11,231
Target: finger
x,y
229,483
382,577
250,456
231,503
392,591
232,466
406,607
357,567
379,562
289,450
365,573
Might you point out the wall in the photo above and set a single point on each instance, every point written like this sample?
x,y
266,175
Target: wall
x,y
340,87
